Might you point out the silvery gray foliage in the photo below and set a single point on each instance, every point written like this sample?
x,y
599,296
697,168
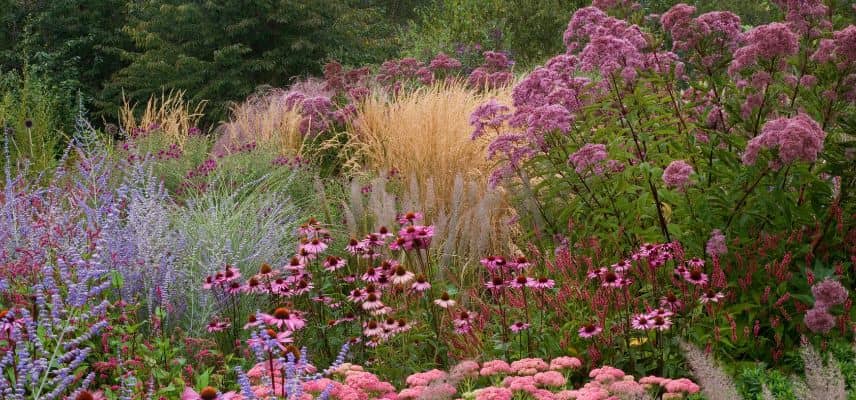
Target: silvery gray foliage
x,y
157,243
243,227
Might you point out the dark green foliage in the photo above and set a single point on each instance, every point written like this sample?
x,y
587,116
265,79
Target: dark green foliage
x,y
72,43
221,51
30,116
530,30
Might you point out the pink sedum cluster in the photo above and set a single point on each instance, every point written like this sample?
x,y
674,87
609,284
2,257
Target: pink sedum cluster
x,y
605,383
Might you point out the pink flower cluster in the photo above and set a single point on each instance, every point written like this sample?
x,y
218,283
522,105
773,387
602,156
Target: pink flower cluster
x,y
827,293
718,29
677,174
841,51
798,138
318,113
773,42
806,17
606,382
494,72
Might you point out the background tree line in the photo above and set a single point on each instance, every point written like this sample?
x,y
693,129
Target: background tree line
x,y
95,53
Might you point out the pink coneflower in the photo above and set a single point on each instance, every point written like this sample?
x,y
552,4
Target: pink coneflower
x,y
671,302
401,325
333,263
266,272
208,393
370,254
234,288
295,264
284,317
711,296
388,266
253,285
495,284
695,262
463,321
681,270
519,326
281,338
611,280
389,324
371,275
350,278
520,263
541,283
696,277
87,395
230,274
642,322
409,218
218,325
519,282
302,287
621,266
597,273
372,302
305,256
372,328
645,250
402,276
492,263
421,284
445,301
209,282
347,318
384,233
356,296
661,323
660,312
590,330
280,286
354,247
381,311
252,322
372,240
